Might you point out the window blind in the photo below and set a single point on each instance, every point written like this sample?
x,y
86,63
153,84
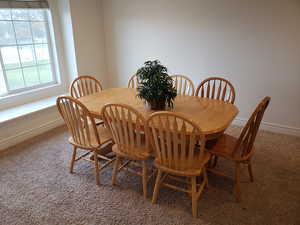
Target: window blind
x,y
24,4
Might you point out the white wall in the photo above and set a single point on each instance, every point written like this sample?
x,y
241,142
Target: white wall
x,y
22,128
87,21
83,38
255,44
67,39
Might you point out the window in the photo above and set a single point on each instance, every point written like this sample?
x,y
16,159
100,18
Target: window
x,y
26,52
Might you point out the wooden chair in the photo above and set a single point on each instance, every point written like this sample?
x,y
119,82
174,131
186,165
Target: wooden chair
x,y
133,81
183,85
174,137
84,133
240,150
85,85
127,128
216,88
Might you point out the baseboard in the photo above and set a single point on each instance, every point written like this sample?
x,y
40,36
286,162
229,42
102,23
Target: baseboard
x,y
273,127
13,140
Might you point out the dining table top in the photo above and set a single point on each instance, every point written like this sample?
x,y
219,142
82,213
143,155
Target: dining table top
x,y
213,116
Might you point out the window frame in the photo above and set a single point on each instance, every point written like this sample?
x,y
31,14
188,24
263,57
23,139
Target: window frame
x,y
54,80
59,87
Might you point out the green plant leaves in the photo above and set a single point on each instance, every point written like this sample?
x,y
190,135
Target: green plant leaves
x,y
155,85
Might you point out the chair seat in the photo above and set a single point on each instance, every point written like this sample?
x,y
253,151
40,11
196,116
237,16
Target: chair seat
x,y
224,146
141,153
104,136
195,167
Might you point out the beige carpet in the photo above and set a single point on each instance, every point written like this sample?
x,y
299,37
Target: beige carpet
x,y
36,188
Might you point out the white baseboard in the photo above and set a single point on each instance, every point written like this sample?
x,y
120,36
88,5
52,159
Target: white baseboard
x,y
273,127
13,140
22,136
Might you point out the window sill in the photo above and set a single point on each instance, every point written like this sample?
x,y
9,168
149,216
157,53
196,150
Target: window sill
x,y
22,110
31,96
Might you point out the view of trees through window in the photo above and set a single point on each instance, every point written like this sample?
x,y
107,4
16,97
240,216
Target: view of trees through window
x,y
25,53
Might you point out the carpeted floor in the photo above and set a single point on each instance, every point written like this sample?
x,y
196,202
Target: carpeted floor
x,y
37,188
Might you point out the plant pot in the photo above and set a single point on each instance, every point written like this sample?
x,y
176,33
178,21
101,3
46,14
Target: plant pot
x,y
157,105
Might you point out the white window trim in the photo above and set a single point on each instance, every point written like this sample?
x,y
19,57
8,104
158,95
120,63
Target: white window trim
x,y
44,92
50,46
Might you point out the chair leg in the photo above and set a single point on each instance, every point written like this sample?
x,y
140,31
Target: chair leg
x,y
115,171
209,164
237,182
189,186
194,196
120,162
250,171
96,168
156,187
215,161
205,177
144,179
73,159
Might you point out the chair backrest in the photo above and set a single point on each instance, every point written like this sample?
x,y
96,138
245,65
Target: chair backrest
x,y
85,85
174,137
216,88
80,123
183,85
244,147
133,81
127,127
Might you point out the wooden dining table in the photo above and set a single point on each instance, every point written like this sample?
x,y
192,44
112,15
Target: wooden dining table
x,y
213,116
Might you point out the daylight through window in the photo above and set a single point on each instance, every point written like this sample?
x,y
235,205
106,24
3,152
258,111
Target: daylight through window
x,y
26,57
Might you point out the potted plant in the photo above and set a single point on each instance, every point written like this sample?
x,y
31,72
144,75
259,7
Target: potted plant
x,y
155,85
